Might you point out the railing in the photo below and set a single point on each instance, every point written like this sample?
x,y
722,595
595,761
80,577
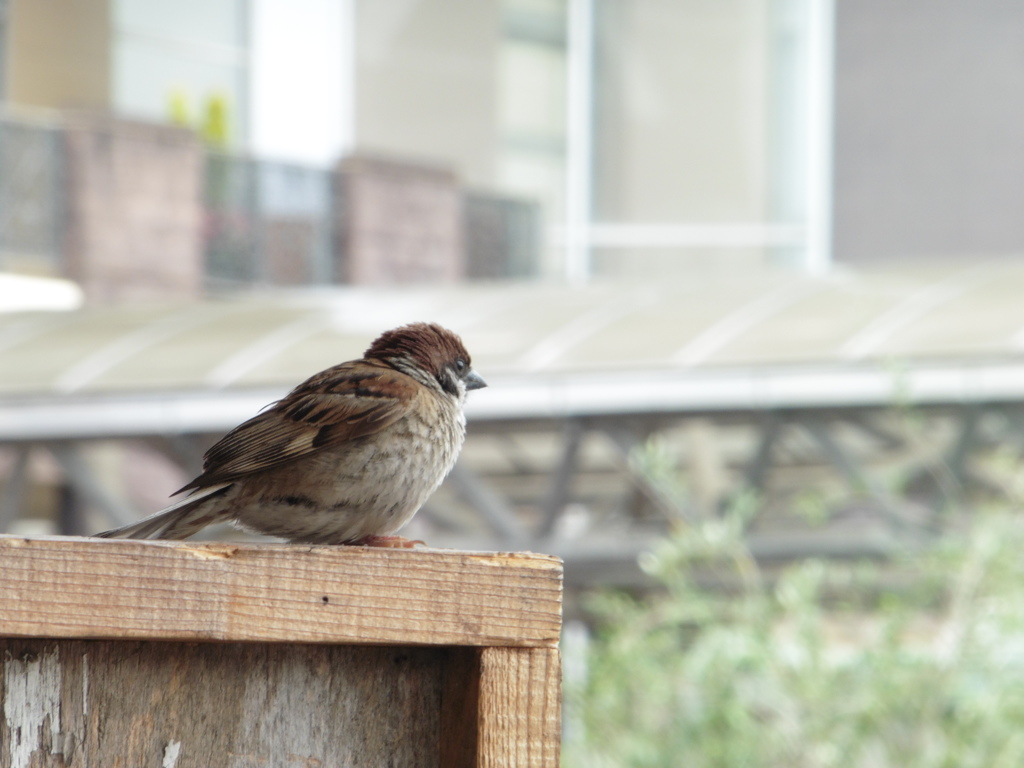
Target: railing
x,y
263,222
274,223
32,209
267,223
502,236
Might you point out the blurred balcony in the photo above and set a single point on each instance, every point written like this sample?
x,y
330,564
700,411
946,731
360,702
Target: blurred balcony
x,y
131,209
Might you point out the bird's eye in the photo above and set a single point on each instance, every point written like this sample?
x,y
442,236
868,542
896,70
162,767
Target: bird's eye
x,y
460,365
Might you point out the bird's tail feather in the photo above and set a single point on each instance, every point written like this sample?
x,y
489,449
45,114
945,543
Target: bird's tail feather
x,y
178,521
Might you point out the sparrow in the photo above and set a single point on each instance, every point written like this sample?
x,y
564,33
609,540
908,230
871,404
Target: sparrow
x,y
347,457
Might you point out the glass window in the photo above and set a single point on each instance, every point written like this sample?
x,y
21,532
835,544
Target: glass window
x,y
532,109
208,22
680,100
175,58
477,86
682,147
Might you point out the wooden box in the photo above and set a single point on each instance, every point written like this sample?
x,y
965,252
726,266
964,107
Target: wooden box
x,y
182,654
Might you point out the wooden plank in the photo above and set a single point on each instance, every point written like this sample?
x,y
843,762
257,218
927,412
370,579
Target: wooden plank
x,y
460,706
520,708
66,587
103,703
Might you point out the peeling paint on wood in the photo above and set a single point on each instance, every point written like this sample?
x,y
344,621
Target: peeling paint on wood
x,y
218,705
32,690
85,684
171,752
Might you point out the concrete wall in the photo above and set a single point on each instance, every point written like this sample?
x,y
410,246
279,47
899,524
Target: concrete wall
x,y
58,53
399,223
134,209
427,83
929,157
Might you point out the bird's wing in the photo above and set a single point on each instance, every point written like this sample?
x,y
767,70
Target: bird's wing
x,y
348,401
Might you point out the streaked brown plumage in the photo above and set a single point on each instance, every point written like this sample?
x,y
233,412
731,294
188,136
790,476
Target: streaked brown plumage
x,y
347,457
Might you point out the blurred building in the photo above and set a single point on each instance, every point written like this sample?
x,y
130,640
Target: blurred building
x,y
929,157
658,135
651,136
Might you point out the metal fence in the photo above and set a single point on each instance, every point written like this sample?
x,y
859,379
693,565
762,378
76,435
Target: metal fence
x,y
267,223
273,223
502,236
32,200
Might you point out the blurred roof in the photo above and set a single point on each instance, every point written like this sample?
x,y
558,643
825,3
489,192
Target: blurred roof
x,y
713,342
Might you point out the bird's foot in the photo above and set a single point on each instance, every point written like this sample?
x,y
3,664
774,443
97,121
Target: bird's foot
x,y
392,542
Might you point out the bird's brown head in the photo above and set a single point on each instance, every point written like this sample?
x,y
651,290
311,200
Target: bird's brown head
x,y
428,350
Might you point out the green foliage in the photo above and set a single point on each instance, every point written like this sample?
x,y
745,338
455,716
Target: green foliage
x,y
178,109
917,663
214,126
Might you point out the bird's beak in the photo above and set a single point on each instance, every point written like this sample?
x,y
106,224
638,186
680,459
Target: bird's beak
x,y
473,381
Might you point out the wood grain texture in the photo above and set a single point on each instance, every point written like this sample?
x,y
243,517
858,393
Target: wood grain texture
x,y
130,704
519,708
460,707
66,587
